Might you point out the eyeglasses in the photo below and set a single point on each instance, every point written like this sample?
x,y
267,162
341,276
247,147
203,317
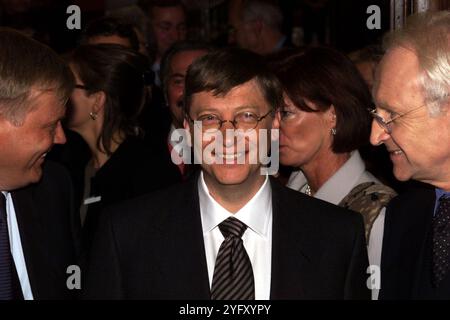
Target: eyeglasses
x,y
244,121
387,124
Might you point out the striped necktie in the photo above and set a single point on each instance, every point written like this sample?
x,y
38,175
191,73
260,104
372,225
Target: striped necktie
x,y
233,274
6,262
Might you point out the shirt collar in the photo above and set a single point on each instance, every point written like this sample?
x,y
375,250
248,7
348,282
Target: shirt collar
x,y
440,193
255,214
338,185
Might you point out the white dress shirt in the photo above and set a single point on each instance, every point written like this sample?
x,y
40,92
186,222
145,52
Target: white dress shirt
x,y
16,248
257,215
351,174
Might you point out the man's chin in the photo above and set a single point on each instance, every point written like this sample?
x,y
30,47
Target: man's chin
x,y
401,174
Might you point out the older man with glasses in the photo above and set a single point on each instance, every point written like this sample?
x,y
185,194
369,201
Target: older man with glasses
x,y
412,120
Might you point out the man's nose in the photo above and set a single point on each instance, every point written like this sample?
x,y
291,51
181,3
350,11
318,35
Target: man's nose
x,y
378,134
276,121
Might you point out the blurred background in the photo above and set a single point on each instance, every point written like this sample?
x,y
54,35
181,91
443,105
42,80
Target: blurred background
x,y
339,23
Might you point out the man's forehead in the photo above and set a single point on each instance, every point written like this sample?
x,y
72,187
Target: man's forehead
x,y
246,94
398,72
48,98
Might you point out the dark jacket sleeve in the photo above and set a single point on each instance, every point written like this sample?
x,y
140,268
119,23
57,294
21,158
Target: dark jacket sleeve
x,y
103,279
356,280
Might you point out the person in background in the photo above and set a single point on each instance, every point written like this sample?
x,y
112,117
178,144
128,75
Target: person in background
x,y
168,21
110,30
75,153
412,119
256,26
174,67
366,61
38,228
109,94
135,16
322,125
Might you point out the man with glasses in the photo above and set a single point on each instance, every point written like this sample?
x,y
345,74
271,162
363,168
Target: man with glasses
x,y
230,232
412,120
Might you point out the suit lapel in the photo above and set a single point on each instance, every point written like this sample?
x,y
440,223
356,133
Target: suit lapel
x,y
292,255
185,261
426,208
31,237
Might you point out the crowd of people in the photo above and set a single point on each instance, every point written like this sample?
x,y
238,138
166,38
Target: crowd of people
x,y
92,173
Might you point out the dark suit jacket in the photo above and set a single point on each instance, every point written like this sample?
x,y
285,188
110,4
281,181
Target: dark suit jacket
x,y
153,248
49,232
407,247
131,171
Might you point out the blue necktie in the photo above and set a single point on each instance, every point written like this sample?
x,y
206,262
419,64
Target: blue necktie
x,y
6,261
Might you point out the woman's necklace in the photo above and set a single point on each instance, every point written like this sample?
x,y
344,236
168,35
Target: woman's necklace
x,y
308,190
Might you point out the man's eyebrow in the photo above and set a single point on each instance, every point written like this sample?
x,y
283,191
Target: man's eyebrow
x,y
243,107
382,105
207,109
237,109
177,75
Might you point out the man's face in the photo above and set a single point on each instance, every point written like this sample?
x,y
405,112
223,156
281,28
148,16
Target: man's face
x,y
243,98
23,148
175,84
243,34
419,144
169,26
304,136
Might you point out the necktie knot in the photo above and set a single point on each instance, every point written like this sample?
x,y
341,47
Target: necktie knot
x,y
443,212
232,227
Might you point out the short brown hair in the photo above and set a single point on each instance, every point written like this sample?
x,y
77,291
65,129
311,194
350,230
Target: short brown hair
x,y
222,70
327,77
26,64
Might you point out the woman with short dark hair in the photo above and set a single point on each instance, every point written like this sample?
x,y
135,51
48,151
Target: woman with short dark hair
x,y
322,124
109,95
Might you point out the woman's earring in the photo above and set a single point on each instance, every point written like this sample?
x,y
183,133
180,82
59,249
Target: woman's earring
x,y
333,131
93,115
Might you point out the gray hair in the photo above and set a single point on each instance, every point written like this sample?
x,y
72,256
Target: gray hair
x,y
265,11
428,35
25,66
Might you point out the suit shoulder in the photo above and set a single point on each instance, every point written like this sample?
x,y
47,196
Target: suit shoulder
x,y
54,170
150,206
55,180
315,209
